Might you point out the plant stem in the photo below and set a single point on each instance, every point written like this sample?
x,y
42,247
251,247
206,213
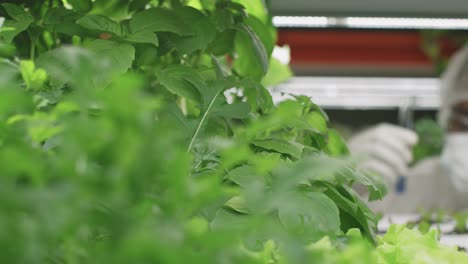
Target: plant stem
x,y
202,121
32,52
183,105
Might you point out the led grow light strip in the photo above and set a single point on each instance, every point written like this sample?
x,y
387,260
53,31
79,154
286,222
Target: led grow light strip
x,y
371,22
406,23
300,21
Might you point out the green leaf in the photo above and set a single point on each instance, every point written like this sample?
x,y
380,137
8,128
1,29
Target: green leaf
x,y
11,29
258,97
317,121
224,19
316,140
238,110
255,8
159,20
336,146
229,220
348,173
253,45
252,58
319,167
337,171
182,80
310,215
143,36
222,69
203,30
7,50
223,43
263,32
34,78
100,23
354,213
116,9
243,175
17,13
61,20
81,5
137,5
237,203
59,64
41,126
165,45
70,64
376,186
238,9
281,146
210,94
277,73
120,55
195,4
208,4
175,115
146,55
21,20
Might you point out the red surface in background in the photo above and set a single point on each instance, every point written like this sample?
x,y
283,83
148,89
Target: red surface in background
x,y
346,47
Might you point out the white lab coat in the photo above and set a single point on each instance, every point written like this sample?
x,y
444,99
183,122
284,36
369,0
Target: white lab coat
x,y
427,187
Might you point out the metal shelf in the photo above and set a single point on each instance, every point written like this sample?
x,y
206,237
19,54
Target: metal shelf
x,y
363,92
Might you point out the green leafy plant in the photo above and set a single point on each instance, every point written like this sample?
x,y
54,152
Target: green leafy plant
x,y
431,139
399,245
461,220
141,132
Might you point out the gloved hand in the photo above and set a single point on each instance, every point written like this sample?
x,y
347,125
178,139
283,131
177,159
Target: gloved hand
x,y
388,149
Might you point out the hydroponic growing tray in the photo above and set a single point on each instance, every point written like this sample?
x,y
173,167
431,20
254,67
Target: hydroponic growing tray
x,y
446,228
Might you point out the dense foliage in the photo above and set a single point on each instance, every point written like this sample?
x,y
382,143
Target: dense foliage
x,y
431,139
142,132
399,245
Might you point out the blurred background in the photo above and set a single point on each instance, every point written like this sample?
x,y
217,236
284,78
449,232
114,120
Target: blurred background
x,y
371,61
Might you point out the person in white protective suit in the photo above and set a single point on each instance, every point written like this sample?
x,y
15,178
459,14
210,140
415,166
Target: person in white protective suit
x,y
434,183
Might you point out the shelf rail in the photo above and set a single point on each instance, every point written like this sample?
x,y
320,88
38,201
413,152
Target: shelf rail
x,y
363,92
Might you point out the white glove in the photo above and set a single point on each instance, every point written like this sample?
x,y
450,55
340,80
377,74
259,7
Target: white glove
x,y
388,149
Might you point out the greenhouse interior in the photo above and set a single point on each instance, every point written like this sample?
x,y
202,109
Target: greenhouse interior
x,y
233,131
